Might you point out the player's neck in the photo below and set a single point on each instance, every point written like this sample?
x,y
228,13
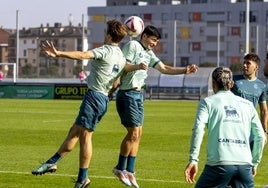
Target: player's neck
x,y
250,77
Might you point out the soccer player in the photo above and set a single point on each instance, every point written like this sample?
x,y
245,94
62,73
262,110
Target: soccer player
x,y
229,120
107,63
129,99
251,88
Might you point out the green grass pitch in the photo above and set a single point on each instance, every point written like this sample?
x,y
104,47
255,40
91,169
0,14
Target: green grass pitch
x,y
32,130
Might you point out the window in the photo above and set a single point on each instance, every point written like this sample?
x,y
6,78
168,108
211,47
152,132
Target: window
x,y
253,32
178,16
184,61
147,17
164,17
235,30
196,16
24,53
242,17
202,31
253,16
229,16
196,46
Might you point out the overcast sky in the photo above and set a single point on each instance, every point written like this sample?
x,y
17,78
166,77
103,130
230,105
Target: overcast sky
x,y
33,13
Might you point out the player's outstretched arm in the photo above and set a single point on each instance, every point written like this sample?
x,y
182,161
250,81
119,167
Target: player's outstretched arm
x,y
165,69
49,48
130,67
51,51
191,69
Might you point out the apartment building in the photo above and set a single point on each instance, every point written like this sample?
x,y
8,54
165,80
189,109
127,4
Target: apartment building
x,y
34,63
193,31
4,35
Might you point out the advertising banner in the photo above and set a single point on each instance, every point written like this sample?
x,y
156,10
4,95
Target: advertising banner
x,y
72,91
26,92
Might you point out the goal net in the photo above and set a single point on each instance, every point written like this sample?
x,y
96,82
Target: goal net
x,y
8,72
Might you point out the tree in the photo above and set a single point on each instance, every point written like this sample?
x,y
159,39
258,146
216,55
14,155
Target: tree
x,y
207,64
236,68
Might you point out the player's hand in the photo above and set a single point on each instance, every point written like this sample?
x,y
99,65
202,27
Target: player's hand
x,y
190,172
49,49
254,172
110,95
191,69
143,66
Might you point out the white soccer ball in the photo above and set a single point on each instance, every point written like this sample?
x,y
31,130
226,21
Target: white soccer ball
x,y
135,25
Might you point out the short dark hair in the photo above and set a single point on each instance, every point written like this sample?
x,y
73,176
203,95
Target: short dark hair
x,y
151,31
223,77
252,57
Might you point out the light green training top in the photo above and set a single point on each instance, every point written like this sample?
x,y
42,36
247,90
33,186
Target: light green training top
x,y
107,65
135,53
229,120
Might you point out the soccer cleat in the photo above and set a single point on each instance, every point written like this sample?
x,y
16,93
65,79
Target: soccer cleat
x,y
82,184
132,179
122,176
44,168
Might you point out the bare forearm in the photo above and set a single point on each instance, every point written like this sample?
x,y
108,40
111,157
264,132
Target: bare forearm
x,y
173,70
129,67
264,120
165,69
75,55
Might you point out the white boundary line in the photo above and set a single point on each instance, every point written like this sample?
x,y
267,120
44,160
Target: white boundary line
x,y
98,177
103,177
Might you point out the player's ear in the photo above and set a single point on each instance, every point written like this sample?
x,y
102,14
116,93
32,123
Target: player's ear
x,y
257,66
231,84
215,86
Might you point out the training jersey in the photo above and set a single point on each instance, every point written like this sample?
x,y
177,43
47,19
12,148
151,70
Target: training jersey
x,y
107,65
229,120
135,53
252,90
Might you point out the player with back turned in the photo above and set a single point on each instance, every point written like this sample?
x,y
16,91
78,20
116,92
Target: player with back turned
x,y
229,120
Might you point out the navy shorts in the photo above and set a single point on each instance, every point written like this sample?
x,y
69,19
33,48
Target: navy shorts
x,y
222,175
92,109
129,105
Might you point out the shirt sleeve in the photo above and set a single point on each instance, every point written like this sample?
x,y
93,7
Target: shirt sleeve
x,y
198,131
100,52
263,95
129,51
259,138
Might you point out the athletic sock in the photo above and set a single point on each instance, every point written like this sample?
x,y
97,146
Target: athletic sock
x,y
121,162
130,163
82,174
54,159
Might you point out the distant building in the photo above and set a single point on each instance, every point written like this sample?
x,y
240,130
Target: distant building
x,y
34,63
4,35
193,31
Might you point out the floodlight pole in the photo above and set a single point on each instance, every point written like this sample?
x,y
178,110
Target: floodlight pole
x,y
83,35
17,44
247,26
218,46
175,44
